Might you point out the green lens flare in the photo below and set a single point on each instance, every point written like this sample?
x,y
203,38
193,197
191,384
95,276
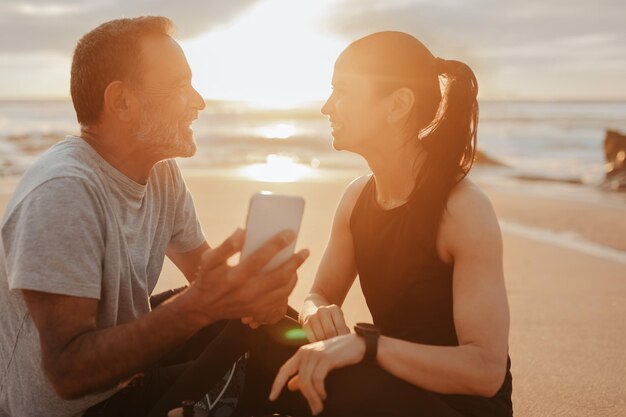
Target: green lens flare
x,y
295,334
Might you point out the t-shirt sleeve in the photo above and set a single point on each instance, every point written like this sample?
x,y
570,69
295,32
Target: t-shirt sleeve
x,y
54,240
187,233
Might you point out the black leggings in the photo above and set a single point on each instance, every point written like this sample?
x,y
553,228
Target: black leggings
x,y
359,390
268,348
193,369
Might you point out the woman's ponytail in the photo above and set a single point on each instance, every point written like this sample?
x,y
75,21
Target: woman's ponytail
x,y
450,139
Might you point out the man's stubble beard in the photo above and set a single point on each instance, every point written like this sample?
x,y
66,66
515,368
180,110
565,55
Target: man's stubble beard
x,y
160,136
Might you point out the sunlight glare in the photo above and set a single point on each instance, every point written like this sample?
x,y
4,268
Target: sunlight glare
x,y
277,131
278,168
276,55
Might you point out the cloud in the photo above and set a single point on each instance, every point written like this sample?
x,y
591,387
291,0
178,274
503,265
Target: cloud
x,y
498,37
55,26
481,23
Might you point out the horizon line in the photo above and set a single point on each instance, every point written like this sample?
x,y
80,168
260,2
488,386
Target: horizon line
x,y
303,103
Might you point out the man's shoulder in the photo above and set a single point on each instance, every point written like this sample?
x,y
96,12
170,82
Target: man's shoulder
x,y
69,157
66,162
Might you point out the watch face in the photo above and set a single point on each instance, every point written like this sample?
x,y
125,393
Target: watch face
x,y
366,326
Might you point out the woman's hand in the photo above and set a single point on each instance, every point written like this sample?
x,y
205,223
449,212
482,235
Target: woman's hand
x,y
307,369
324,322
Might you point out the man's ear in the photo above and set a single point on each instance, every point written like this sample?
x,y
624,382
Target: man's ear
x,y
119,101
401,104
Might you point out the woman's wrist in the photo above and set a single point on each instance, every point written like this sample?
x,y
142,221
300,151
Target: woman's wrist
x,y
360,346
309,307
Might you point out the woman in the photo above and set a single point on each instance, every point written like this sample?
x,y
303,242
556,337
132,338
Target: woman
x,y
424,241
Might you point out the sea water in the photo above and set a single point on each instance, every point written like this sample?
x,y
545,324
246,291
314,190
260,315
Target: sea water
x,y
554,140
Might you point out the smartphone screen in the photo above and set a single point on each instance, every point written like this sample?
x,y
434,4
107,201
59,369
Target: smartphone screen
x,y
269,214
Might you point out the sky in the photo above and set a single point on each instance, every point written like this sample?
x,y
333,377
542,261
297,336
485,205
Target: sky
x,y
281,52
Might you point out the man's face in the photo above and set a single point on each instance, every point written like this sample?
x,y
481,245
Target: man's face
x,y
168,101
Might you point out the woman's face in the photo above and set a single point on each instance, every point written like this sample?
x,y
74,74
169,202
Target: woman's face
x,y
357,115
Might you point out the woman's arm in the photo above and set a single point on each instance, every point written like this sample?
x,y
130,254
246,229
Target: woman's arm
x,y
470,237
321,315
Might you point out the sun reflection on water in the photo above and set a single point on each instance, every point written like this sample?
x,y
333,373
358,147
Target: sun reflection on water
x,y
278,168
277,131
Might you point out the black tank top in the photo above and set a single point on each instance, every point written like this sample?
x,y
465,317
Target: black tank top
x,y
407,287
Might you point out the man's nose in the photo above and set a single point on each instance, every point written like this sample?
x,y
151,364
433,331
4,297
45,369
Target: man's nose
x,y
326,107
196,100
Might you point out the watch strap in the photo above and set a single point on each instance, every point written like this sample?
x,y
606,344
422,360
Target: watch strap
x,y
370,335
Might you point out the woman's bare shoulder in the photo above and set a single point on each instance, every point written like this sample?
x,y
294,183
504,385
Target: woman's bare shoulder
x,y
355,188
469,213
357,184
351,195
466,197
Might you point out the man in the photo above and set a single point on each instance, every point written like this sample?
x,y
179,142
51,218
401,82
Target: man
x,y
85,234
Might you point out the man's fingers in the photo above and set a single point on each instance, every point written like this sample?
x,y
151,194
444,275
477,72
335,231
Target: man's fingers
x,y
284,278
247,320
291,265
216,256
270,317
273,305
258,259
292,283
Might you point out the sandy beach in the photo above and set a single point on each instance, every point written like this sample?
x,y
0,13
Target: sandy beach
x,y
565,262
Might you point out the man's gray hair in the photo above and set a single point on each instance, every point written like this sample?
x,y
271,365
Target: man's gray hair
x,y
110,52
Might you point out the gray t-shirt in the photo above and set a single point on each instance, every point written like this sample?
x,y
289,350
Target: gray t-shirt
x,y
77,226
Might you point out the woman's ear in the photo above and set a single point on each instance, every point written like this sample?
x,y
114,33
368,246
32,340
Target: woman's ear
x,y
119,101
401,105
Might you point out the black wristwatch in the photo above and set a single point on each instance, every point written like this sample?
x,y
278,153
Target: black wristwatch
x,y
370,333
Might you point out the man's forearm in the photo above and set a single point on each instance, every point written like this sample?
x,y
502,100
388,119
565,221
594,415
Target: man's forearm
x,y
100,359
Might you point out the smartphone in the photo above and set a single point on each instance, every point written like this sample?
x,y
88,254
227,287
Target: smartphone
x,y
269,214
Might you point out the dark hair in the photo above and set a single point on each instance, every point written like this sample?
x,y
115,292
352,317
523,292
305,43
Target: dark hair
x,y
445,123
110,52
450,139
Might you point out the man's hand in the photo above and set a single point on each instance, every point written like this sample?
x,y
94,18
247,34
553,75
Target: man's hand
x,y
78,358
222,291
324,322
269,318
